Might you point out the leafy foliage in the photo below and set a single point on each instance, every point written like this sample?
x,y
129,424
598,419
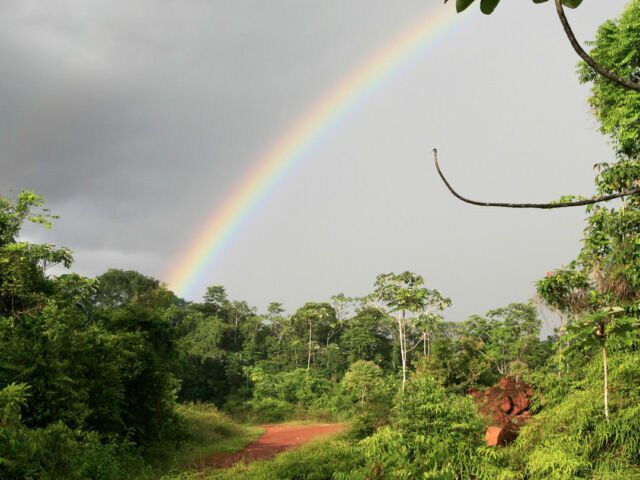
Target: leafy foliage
x,y
571,439
56,451
488,6
82,386
433,435
617,109
508,337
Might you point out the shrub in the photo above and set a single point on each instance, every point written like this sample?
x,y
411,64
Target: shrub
x,y
56,451
271,410
433,434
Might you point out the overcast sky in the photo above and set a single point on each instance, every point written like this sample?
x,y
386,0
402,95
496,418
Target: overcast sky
x,y
136,119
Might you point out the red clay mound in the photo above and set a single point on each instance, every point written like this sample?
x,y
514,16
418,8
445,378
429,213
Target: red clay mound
x,y
505,406
276,439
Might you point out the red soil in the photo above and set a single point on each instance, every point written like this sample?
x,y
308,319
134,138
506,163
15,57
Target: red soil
x,y
277,438
504,405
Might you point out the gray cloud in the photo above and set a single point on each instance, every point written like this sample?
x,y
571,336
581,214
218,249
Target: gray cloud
x,y
135,120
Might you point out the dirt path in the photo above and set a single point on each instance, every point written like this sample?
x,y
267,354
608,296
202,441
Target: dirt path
x,y
277,438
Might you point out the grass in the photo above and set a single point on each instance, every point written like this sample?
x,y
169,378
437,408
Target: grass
x,y
211,432
317,460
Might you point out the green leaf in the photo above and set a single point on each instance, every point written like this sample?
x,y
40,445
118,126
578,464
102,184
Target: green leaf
x,y
571,3
539,1
462,5
488,6
628,58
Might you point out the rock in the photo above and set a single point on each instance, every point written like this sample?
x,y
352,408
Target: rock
x,y
505,406
491,437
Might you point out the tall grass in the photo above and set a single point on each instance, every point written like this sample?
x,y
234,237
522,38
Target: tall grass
x,y
210,432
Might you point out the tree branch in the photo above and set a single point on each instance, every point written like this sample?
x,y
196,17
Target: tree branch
x,y
416,344
579,203
381,310
624,82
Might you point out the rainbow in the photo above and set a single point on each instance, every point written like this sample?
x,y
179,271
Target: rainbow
x,y
299,139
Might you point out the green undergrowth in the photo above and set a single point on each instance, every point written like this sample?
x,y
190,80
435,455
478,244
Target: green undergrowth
x,y
211,432
438,435
571,438
270,410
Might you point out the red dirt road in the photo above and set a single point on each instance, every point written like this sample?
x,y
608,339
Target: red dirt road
x,y
277,438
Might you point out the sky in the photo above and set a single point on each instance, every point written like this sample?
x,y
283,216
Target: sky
x,y
136,120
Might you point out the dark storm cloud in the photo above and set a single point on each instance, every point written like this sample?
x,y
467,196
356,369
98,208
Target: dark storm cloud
x,y
130,109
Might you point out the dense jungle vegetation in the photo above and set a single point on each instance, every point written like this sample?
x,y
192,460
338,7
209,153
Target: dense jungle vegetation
x,y
110,377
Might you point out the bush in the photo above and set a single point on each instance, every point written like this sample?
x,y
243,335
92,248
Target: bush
x,y
56,451
433,434
363,425
283,396
299,387
271,410
117,459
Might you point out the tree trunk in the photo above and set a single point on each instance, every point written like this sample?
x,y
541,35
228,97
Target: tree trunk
x,y
309,357
235,332
606,382
424,343
403,348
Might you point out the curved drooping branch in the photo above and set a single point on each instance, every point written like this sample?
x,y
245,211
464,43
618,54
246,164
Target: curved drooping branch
x,y
578,203
625,82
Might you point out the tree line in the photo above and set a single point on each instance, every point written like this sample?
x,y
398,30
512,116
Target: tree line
x,y
109,356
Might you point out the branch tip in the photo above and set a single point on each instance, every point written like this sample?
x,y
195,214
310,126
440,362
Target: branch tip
x,y
545,206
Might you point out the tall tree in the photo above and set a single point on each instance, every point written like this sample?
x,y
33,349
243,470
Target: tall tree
x,y
215,300
405,296
118,287
24,284
600,289
616,46
598,329
507,336
281,325
314,315
367,336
